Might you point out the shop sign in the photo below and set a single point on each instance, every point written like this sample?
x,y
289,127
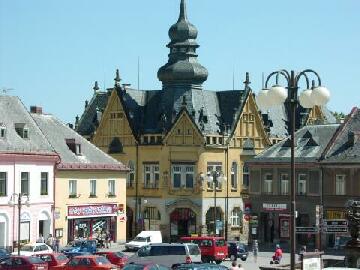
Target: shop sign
x,y
92,210
122,218
311,263
335,214
57,214
274,206
307,230
335,222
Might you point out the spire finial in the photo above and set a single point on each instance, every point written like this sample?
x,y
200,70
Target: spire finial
x,y
182,15
247,80
96,87
184,103
117,78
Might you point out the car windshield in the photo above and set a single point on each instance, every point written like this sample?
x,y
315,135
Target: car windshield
x,y
140,239
27,248
74,244
119,254
61,257
35,260
101,260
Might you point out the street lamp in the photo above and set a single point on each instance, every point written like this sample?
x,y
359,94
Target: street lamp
x,y
214,178
276,95
19,203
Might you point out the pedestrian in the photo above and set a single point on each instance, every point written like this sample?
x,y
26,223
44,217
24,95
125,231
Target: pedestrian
x,y
278,254
108,239
234,266
240,267
57,244
50,241
255,250
40,239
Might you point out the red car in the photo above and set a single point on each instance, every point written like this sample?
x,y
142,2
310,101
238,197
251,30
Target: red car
x,y
117,258
53,259
87,262
212,248
145,266
23,263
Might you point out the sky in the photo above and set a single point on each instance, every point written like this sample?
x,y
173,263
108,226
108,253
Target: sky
x,y
51,52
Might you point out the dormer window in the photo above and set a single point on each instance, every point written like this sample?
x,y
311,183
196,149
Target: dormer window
x,y
73,146
2,131
22,130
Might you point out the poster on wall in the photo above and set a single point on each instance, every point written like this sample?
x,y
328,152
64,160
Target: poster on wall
x,y
284,227
25,231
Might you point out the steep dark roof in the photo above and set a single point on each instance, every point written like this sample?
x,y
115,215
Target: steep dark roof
x,y
311,141
345,146
13,111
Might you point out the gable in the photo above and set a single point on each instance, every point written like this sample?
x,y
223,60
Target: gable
x,y
184,132
249,125
114,124
315,116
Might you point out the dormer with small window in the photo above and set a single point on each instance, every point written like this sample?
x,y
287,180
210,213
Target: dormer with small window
x,y
73,146
2,131
22,130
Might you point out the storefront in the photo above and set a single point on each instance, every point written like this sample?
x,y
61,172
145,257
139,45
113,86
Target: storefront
x,y
182,223
89,221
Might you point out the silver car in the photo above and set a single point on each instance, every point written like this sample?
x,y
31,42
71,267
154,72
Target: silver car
x,y
168,254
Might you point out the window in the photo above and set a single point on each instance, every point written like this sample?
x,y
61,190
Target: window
x,y
236,217
111,187
92,188
72,188
131,176
25,183
207,140
2,131
3,184
214,140
284,184
268,179
340,184
44,183
246,176
234,175
211,167
183,175
151,176
301,184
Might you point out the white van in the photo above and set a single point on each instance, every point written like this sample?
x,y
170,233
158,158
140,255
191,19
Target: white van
x,y
144,238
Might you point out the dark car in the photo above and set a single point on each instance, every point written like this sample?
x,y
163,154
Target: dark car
x,y
199,266
4,254
118,258
79,247
237,250
145,266
23,263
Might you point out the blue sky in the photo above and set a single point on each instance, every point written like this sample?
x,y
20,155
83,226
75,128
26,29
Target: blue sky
x,y
51,52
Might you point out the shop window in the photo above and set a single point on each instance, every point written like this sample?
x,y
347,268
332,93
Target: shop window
x,y
236,217
72,188
211,167
151,176
284,184
183,175
301,184
111,188
44,183
25,183
234,180
92,188
3,183
246,176
340,184
268,179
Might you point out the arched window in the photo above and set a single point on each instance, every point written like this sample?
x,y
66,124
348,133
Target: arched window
x,y
236,217
234,181
131,175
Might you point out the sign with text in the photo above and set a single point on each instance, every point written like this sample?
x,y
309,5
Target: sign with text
x,y
274,206
307,230
92,210
311,263
335,222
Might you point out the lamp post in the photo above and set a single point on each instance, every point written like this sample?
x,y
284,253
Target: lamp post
x,y
276,95
215,177
19,203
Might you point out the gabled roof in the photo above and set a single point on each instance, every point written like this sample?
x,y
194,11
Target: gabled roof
x,y
345,146
13,111
310,144
91,157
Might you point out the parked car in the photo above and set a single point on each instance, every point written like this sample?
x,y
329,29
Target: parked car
x,y
144,238
118,258
237,250
53,259
212,248
145,266
167,254
199,266
33,249
87,262
4,254
80,247
23,263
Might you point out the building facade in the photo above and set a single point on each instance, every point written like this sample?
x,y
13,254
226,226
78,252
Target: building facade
x,y
27,165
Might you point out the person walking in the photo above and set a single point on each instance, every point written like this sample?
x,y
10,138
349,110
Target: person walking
x,y
255,250
50,241
234,266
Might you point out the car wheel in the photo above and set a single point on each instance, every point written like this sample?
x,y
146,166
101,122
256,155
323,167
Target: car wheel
x,y
233,257
218,261
243,259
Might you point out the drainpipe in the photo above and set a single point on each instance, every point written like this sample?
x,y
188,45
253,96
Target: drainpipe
x,y
136,188
13,240
227,192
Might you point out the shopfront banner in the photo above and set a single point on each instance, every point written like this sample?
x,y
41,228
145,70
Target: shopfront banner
x,y
92,210
274,206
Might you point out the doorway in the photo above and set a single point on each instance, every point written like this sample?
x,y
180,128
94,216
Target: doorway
x,y
182,223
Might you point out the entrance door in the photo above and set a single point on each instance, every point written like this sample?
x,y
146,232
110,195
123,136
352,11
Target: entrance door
x,y
2,234
182,223
129,223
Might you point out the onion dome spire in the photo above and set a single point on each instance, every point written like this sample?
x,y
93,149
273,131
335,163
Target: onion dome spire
x,y
182,67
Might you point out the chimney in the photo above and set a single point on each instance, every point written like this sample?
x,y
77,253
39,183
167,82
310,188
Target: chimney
x,y
36,109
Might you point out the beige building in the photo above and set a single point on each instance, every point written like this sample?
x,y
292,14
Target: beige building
x,y
90,186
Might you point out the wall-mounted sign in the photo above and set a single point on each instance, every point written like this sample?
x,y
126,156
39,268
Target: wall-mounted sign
x,y
274,206
92,210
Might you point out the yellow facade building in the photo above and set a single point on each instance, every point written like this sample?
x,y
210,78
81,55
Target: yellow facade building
x,y
175,138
